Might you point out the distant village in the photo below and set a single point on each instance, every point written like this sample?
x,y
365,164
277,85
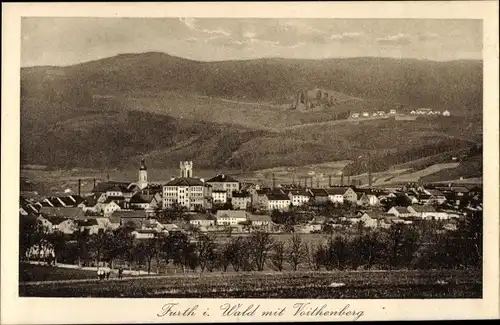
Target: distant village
x,y
223,204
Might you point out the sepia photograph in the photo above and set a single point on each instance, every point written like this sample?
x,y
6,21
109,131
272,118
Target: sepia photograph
x,y
249,157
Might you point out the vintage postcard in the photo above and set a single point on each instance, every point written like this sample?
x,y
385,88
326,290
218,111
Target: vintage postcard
x,y
199,162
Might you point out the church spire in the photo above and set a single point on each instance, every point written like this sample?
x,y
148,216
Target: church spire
x,y
143,165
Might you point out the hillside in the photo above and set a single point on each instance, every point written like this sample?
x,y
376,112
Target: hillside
x,y
455,85
105,113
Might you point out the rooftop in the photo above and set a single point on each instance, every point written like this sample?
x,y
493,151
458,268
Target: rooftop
x,y
222,179
185,181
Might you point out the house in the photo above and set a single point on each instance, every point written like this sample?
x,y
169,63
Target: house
x,y
144,233
426,212
201,220
369,221
349,194
392,111
366,114
304,228
299,197
336,194
141,201
225,183
381,113
66,213
219,196
187,192
412,112
446,113
108,207
277,201
355,115
156,201
91,225
259,220
362,199
436,196
128,218
319,195
399,211
68,226
259,200
230,217
241,200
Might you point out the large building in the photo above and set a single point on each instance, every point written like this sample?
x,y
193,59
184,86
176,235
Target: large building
x,y
224,183
185,191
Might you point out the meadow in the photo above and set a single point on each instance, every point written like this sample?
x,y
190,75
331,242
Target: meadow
x,y
320,285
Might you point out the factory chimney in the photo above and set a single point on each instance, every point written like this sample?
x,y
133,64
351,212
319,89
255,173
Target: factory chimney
x,y
79,186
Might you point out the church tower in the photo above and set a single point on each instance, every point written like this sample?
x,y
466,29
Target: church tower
x,y
143,175
186,168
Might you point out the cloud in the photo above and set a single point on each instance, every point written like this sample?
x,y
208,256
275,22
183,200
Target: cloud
x,y
191,24
346,37
398,39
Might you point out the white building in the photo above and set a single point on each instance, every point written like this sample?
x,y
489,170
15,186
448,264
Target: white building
x,y
355,115
185,191
366,114
224,183
427,212
230,217
241,201
201,220
276,201
446,113
299,197
336,194
219,197
392,111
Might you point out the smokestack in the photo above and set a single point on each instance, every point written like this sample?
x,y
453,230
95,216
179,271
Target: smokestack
x,y
293,178
348,179
108,177
274,181
370,178
94,182
79,186
317,182
311,181
342,179
330,181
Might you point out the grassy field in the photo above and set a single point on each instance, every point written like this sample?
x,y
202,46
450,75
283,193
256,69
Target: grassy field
x,y
337,285
32,272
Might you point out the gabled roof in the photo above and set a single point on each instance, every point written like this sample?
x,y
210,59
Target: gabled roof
x,y
239,214
300,192
55,202
129,214
336,190
185,181
400,209
318,192
277,197
77,199
241,194
200,216
258,217
435,192
88,222
116,199
139,198
222,179
67,201
423,208
55,220
65,212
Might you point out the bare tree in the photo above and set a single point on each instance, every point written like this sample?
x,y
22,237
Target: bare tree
x,y
278,256
206,252
260,245
295,251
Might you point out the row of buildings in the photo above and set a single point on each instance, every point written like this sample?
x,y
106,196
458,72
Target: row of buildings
x,y
392,112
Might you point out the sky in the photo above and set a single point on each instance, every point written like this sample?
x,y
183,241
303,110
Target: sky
x,y
66,41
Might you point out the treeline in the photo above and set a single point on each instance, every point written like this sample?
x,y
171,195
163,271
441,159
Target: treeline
x,y
409,247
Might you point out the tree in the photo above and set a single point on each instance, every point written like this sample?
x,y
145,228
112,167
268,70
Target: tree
x,y
296,251
30,234
336,254
58,242
206,252
224,256
147,249
403,242
260,244
367,250
83,246
278,256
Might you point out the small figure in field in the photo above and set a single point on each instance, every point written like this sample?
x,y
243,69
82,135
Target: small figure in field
x,y
106,272
100,274
120,273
